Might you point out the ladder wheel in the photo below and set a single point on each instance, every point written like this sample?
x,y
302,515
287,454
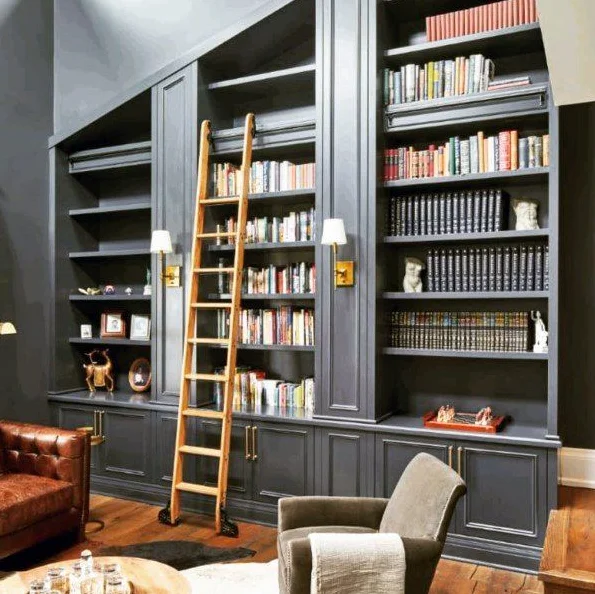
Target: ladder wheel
x,y
164,516
228,528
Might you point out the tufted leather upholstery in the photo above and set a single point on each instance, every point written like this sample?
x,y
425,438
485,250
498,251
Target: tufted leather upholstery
x,y
44,475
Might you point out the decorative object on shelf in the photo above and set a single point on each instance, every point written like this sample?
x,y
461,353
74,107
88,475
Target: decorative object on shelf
x,y
447,418
140,327
161,244
128,291
541,334
148,289
86,331
525,210
7,328
139,375
113,325
333,234
109,290
90,291
412,279
99,370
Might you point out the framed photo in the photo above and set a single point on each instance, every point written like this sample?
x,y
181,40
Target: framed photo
x,y
139,375
86,331
113,325
140,327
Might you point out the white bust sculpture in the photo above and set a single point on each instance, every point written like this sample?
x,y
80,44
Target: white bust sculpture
x,y
541,333
526,214
412,280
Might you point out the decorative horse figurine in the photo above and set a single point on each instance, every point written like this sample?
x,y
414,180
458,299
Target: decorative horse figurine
x,y
99,375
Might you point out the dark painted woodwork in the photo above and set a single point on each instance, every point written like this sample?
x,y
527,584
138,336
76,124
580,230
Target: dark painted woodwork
x,y
164,427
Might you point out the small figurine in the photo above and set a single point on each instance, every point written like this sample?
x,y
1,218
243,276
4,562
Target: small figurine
x,y
109,290
446,414
484,417
99,375
148,290
541,334
526,214
412,280
128,291
90,291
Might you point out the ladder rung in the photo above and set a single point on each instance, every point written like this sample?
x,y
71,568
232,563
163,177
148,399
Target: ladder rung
x,y
218,235
224,341
217,201
203,413
196,451
200,489
212,270
213,305
207,377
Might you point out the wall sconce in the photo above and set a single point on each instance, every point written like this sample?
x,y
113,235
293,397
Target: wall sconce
x,y
7,328
333,234
161,244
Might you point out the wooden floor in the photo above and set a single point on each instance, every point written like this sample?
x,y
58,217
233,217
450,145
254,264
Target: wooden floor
x,y
129,522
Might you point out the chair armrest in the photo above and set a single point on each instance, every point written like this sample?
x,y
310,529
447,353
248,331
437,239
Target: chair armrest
x,y
299,512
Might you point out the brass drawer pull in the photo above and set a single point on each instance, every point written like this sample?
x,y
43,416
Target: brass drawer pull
x,y
254,444
247,444
450,448
459,456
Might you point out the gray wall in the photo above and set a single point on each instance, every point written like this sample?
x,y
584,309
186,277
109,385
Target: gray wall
x,y
25,123
105,46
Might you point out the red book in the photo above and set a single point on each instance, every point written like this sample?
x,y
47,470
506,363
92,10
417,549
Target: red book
x,y
504,151
433,28
441,27
457,29
508,17
395,167
473,20
467,17
428,35
431,150
450,28
522,16
500,18
516,12
491,17
532,11
485,9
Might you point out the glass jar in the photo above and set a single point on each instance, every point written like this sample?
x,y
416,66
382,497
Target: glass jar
x,y
74,579
57,580
37,587
116,584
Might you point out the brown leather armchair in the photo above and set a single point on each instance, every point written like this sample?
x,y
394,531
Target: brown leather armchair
x,y
44,484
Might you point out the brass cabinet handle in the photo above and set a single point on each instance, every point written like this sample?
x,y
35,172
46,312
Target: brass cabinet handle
x,y
459,455
247,443
254,444
450,448
101,413
95,423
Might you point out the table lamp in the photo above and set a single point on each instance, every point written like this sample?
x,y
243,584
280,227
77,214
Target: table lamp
x,y
333,234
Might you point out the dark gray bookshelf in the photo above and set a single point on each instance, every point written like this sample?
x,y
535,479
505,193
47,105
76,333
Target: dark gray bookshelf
x,y
109,298
113,209
526,356
127,155
268,296
466,237
109,254
285,245
110,341
400,296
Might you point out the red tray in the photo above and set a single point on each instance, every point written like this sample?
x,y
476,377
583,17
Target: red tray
x,y
494,427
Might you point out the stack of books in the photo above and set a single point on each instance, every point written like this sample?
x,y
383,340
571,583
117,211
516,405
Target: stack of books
x,y
449,212
461,331
296,226
502,268
275,280
489,17
462,156
265,176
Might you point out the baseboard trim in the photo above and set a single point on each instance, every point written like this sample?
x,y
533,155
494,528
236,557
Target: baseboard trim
x,y
577,468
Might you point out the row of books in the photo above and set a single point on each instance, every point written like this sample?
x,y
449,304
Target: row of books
x,y
435,80
296,226
283,325
265,176
461,331
478,211
463,156
503,268
488,17
253,390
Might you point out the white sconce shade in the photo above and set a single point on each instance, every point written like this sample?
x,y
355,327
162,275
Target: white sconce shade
x,y
161,242
333,232
7,328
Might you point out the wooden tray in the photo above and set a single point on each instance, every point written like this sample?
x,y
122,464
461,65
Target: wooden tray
x,y
431,423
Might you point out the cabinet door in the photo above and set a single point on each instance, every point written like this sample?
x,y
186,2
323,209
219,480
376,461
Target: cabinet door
x,y
165,426
284,464
394,452
126,452
506,493
239,478
72,416
345,463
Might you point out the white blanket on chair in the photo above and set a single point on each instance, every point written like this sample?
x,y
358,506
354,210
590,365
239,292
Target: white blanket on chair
x,y
357,564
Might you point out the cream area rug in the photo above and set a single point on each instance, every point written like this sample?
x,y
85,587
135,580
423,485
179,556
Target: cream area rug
x,y
228,578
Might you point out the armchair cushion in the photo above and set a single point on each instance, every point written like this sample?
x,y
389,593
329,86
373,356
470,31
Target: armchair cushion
x,y
26,499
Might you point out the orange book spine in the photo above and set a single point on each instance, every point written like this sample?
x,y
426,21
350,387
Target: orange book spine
x,y
514,150
481,150
473,20
522,16
532,11
452,25
516,12
546,150
508,13
457,18
491,8
482,18
500,17
428,29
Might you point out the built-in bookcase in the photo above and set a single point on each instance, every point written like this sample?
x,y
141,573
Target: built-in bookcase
x,y
522,385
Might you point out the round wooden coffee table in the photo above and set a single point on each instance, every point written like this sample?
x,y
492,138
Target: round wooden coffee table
x,y
146,577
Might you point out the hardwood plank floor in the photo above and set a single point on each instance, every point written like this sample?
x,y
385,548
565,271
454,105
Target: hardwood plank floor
x,y
128,522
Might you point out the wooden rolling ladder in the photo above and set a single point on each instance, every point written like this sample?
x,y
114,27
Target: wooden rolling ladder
x,y
170,514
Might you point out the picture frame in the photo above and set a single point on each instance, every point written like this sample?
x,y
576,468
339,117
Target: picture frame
x,y
140,375
86,331
113,325
140,327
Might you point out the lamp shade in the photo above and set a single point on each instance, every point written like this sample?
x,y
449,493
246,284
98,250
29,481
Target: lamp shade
x,y
333,231
161,242
7,328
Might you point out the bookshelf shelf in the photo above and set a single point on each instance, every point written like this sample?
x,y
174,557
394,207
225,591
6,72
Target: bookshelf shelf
x,y
108,298
528,356
112,209
110,157
498,43
109,254
268,297
110,341
270,347
467,237
286,196
528,175
397,296
289,245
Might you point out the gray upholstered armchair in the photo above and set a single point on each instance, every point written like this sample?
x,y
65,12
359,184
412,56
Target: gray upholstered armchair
x,y
419,510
